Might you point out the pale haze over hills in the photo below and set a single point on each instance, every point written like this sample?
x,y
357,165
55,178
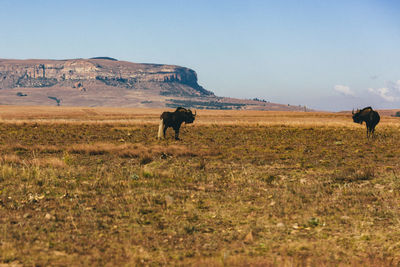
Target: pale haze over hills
x,y
329,55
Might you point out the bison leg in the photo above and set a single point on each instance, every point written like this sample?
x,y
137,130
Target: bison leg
x,y
164,130
176,133
373,131
368,130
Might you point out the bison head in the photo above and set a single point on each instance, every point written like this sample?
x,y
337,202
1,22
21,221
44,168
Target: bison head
x,y
186,115
356,116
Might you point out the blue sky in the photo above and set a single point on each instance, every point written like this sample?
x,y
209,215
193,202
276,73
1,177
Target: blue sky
x,y
330,55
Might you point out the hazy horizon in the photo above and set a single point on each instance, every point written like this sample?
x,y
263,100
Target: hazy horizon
x,y
327,56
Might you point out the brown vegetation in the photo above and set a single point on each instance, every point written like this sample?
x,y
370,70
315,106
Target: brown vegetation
x,y
95,187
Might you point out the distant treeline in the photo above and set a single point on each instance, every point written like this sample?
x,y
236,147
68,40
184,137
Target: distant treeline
x,y
203,105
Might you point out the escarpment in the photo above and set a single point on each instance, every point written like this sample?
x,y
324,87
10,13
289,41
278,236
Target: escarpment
x,y
111,72
107,82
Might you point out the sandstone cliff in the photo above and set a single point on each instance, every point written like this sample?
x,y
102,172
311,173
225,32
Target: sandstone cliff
x,y
48,73
109,82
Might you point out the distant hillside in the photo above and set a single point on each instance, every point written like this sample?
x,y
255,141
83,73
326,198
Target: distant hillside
x,y
105,81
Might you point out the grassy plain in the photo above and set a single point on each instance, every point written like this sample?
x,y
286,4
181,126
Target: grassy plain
x,y
93,186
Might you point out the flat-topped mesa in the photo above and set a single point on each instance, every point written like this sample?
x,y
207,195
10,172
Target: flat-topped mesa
x,y
46,73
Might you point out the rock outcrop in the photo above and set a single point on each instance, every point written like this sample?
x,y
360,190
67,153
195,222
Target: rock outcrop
x,y
105,81
111,72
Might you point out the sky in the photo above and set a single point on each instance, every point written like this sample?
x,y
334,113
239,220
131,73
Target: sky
x,y
324,54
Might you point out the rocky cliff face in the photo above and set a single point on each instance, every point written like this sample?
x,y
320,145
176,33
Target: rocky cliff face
x,y
111,72
100,82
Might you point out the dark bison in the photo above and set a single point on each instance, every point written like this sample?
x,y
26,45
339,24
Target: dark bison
x,y
174,120
370,116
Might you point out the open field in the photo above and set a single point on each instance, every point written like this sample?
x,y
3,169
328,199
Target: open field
x,y
93,186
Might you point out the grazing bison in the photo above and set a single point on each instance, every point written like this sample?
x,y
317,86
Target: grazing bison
x,y
174,120
370,116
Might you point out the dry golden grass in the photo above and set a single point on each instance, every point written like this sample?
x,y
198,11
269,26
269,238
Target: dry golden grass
x,y
136,116
53,162
241,188
128,150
